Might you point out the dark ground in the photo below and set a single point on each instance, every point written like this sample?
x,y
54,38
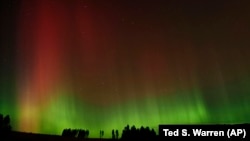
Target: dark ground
x,y
14,136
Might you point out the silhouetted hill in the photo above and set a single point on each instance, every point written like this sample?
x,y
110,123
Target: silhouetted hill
x,y
42,137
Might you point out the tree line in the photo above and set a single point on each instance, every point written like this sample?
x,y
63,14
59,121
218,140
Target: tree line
x,y
128,133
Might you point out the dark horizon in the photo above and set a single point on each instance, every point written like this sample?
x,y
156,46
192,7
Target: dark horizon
x,y
13,135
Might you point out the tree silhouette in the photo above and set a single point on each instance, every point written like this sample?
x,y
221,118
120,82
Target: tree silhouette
x,y
76,133
5,126
86,133
113,134
81,134
116,134
138,133
101,133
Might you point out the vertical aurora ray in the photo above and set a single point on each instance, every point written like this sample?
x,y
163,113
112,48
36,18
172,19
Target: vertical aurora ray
x,y
40,72
101,66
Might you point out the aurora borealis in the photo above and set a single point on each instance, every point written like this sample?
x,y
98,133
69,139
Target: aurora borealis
x,y
101,65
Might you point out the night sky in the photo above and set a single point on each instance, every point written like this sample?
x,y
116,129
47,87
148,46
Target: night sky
x,y
103,64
